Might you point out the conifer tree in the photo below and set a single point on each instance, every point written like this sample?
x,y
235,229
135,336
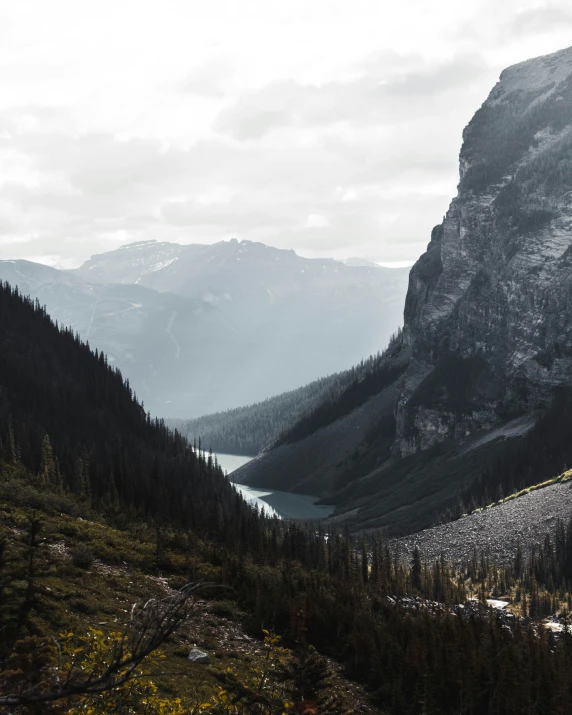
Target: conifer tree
x,y
416,570
49,470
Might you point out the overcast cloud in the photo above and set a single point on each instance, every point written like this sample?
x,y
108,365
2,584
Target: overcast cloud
x,y
325,126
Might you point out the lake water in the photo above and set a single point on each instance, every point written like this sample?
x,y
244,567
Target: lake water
x,y
282,504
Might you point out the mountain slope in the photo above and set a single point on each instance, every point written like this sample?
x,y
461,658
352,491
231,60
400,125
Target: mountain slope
x,y
248,430
67,415
292,319
498,530
283,418
150,336
487,332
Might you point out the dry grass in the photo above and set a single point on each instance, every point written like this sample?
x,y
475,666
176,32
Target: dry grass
x,y
561,478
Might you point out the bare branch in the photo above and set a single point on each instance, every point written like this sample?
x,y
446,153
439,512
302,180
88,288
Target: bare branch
x,y
149,626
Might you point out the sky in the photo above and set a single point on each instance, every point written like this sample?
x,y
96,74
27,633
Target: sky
x,y
330,127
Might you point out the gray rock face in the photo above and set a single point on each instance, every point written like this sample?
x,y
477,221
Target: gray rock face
x,y
488,314
199,656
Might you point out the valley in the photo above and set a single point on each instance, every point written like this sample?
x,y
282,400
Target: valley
x,y
238,481
477,376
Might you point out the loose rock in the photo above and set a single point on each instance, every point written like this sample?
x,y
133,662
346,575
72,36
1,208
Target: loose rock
x,y
199,656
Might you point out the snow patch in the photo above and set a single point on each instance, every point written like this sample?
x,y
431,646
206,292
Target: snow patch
x,y
163,264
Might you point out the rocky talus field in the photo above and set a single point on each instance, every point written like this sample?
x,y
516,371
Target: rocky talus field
x,y
497,530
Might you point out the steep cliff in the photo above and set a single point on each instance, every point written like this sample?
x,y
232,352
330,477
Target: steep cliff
x,y
488,314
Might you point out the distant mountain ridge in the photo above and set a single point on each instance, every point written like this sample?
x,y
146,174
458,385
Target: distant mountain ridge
x,y
204,328
228,271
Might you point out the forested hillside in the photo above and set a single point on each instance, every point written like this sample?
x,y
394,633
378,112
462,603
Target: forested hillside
x,y
66,414
369,378
248,430
546,452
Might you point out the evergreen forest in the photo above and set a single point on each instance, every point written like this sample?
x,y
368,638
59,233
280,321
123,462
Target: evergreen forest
x,y
104,508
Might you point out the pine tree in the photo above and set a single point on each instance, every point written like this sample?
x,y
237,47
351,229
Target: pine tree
x,y
49,470
416,571
14,454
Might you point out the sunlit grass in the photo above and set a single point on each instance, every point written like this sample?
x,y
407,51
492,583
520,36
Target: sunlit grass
x,y
561,478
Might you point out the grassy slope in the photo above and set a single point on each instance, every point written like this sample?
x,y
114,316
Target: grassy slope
x,y
560,479
124,571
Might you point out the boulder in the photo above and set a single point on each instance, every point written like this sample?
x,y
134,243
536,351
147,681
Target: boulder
x,y
199,656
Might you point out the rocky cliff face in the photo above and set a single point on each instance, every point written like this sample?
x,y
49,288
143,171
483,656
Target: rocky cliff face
x,y
488,315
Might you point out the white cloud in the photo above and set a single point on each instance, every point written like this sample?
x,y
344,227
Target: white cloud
x,y
387,95
7,228
329,127
317,221
540,19
211,79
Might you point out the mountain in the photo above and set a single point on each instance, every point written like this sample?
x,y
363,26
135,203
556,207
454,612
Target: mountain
x,y
487,338
200,329
293,319
495,285
248,430
244,273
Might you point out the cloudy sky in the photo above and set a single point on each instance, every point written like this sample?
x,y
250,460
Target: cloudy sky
x,y
328,126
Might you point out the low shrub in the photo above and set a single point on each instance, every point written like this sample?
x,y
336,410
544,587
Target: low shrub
x,y
82,556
